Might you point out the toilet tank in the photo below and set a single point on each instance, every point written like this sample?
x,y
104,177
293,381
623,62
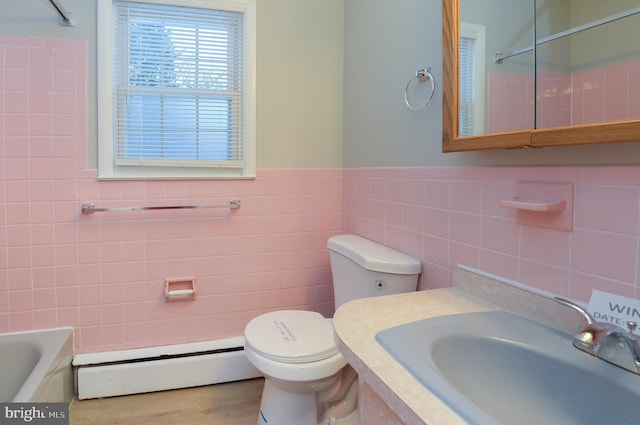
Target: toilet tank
x,y
362,268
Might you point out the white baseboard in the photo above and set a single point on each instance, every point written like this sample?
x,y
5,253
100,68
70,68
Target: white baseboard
x,y
140,375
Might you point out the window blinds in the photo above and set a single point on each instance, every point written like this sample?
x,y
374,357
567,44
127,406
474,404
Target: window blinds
x,y
178,90
467,86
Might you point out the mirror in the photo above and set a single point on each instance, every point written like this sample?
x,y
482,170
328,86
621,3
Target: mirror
x,y
548,94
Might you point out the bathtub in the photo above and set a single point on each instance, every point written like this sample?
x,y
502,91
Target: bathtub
x,y
35,366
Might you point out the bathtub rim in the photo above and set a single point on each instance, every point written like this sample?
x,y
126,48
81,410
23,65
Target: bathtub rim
x,y
53,367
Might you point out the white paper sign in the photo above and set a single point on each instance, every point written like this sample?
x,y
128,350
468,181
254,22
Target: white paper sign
x,y
286,332
616,309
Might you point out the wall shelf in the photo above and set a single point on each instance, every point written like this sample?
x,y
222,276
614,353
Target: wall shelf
x,y
543,204
534,205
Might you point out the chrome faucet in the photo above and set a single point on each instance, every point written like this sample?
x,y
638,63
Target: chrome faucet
x,y
607,341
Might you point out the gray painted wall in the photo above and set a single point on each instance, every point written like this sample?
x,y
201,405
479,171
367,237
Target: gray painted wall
x,y
331,78
385,42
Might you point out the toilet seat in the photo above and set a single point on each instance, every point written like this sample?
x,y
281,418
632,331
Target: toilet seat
x,y
291,336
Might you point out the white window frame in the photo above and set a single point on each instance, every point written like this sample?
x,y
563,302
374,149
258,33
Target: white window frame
x,y
107,169
477,33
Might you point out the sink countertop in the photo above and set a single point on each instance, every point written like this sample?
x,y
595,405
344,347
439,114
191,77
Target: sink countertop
x,y
356,324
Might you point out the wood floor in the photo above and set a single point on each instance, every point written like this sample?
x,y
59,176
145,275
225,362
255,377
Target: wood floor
x,y
235,403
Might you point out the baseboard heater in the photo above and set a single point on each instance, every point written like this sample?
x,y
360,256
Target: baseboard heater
x,y
161,368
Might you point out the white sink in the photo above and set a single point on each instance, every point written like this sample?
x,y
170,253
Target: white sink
x,y
497,368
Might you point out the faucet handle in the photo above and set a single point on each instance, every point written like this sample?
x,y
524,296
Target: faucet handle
x,y
632,326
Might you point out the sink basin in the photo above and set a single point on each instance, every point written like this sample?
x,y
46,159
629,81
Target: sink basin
x,y
498,368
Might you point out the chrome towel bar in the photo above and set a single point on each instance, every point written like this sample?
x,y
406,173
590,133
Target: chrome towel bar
x,y
90,208
561,34
67,18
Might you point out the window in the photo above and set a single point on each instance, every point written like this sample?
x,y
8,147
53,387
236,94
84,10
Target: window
x,y
472,85
176,94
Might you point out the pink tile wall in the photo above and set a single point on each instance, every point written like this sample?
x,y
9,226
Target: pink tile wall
x,y
103,274
553,100
446,216
510,102
606,93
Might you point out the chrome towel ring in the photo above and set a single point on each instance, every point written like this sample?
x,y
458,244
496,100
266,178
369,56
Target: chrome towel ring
x,y
421,76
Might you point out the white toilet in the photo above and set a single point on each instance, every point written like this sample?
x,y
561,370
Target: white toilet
x,y
306,381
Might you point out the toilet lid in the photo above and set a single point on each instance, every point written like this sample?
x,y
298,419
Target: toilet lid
x,y
291,336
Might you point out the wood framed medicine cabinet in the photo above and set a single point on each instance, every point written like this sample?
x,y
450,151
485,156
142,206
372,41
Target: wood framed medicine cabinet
x,y
598,133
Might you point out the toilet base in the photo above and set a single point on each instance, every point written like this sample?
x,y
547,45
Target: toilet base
x,y
350,419
342,407
300,409
332,401
287,408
